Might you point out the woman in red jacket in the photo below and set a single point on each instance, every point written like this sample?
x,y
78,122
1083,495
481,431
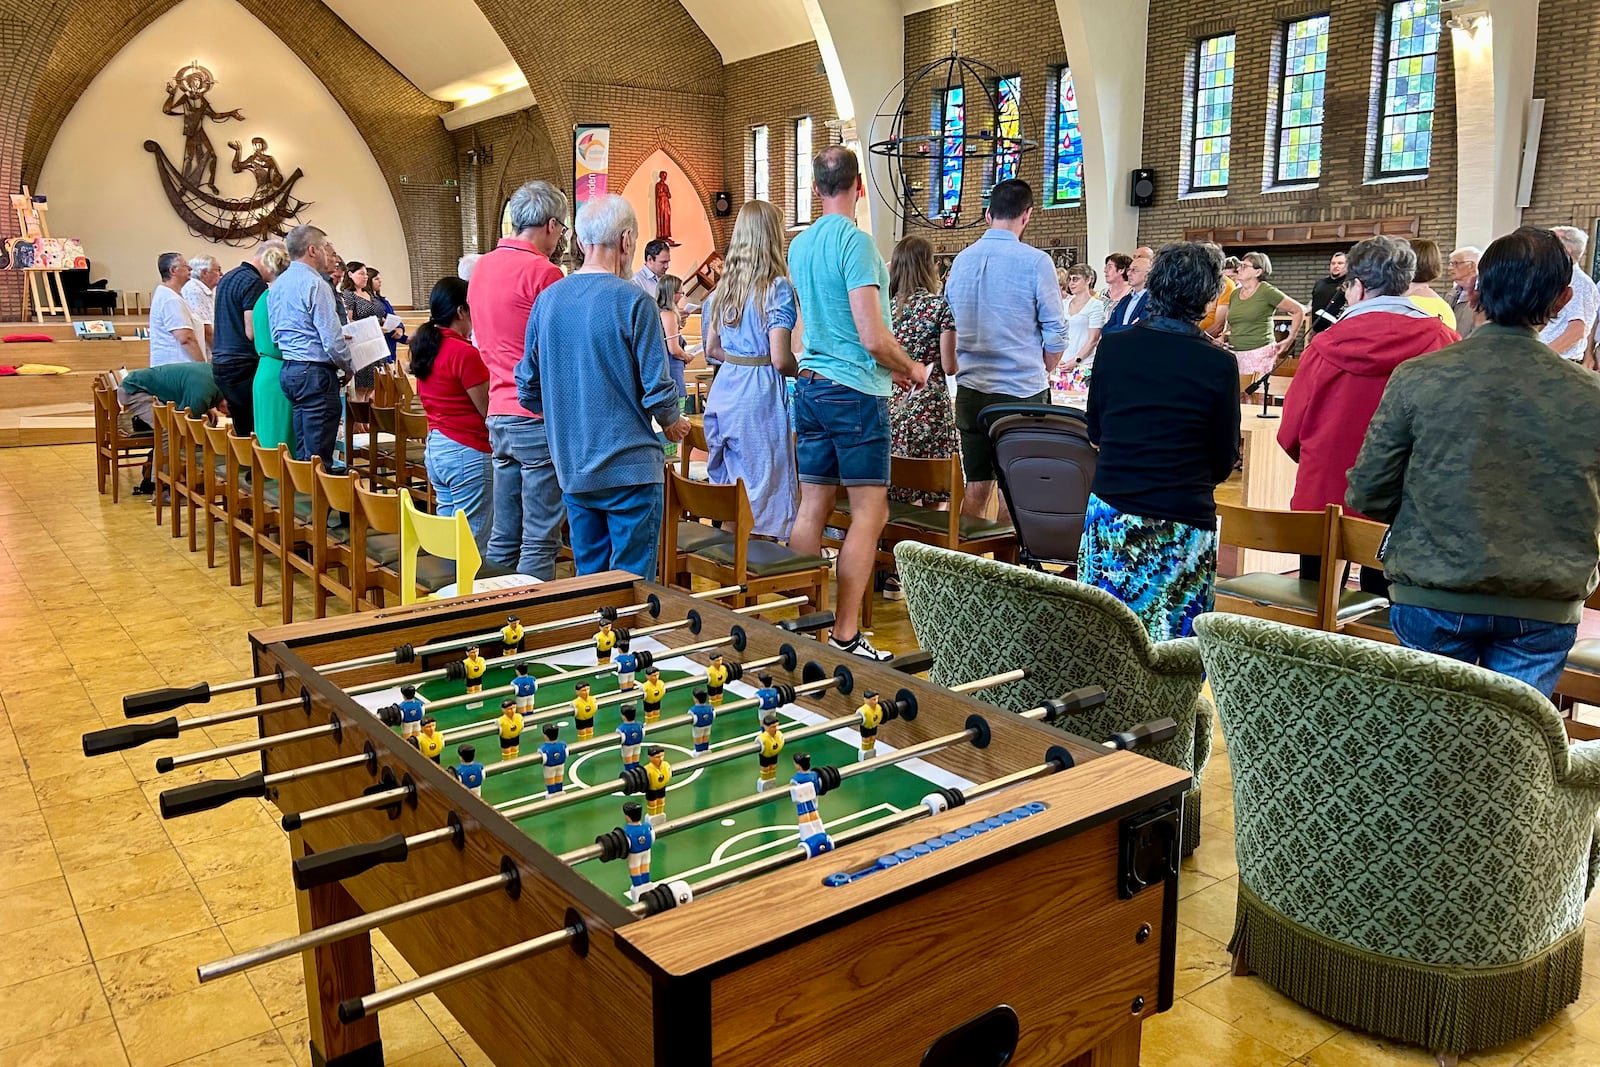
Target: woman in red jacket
x,y
1343,373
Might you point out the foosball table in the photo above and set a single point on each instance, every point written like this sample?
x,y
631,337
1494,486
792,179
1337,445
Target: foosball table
x,y
612,823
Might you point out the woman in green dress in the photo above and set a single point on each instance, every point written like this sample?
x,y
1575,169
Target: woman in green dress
x,y
274,425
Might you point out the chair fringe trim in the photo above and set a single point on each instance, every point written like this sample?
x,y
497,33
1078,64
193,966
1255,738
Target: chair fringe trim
x,y
1191,822
1443,1009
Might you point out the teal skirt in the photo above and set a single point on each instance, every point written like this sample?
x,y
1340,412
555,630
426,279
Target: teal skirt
x,y
1164,570
273,415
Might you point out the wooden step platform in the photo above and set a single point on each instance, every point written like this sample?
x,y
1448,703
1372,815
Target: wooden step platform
x,y
79,355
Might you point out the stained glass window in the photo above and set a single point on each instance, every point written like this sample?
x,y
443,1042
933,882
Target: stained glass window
x,y
952,150
802,170
758,150
1305,73
1008,96
1405,141
1213,113
1066,156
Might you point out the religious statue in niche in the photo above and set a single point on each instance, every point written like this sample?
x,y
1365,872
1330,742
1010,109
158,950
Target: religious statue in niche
x,y
664,211
192,189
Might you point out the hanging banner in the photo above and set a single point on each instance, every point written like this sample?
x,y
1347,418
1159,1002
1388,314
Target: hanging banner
x,y
591,155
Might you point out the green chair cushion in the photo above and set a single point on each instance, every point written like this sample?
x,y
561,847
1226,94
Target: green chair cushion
x,y
898,512
1282,591
696,536
1585,656
928,520
764,559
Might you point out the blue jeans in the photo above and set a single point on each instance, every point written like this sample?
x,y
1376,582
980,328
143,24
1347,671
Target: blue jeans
x,y
463,480
1526,649
527,498
616,529
313,393
841,435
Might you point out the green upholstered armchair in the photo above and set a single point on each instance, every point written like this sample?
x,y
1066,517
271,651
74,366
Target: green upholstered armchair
x,y
980,617
1416,837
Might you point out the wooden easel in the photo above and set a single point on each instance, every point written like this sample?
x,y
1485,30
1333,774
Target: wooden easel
x,y
31,224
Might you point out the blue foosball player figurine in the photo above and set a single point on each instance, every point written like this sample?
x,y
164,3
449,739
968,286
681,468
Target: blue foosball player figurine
x,y
771,699
803,791
554,751
469,771
627,667
410,711
641,836
524,685
702,715
632,737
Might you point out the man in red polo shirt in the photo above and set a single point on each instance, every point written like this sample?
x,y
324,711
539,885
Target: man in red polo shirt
x,y
504,285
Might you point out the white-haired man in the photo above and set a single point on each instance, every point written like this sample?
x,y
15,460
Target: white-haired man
x,y
1464,276
200,293
596,368
502,289
1568,331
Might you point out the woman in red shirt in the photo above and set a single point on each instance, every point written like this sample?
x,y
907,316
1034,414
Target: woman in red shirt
x,y
453,385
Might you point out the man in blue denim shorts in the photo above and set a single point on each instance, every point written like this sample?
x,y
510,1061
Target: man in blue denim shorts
x,y
849,366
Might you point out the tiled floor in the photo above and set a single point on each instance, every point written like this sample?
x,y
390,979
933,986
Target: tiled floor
x,y
108,909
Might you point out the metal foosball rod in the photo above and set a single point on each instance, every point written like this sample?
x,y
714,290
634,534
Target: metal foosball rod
x,y
334,729
671,894
120,738
508,880
204,796
159,700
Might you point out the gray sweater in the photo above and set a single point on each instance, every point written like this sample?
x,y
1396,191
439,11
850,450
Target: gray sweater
x,y
1483,457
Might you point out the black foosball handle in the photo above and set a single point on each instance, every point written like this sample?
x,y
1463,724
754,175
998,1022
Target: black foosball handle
x,y
1145,734
158,700
337,864
917,661
119,738
204,796
808,624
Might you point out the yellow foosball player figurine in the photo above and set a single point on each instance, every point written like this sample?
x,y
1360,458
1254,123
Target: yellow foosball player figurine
x,y
605,639
655,690
511,636
657,776
510,723
474,665
716,678
771,744
583,710
871,712
430,742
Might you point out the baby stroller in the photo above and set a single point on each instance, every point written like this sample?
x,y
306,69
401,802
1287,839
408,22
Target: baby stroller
x,y
1045,465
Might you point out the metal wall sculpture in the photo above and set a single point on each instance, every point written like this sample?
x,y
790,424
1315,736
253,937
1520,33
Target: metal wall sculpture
x,y
192,187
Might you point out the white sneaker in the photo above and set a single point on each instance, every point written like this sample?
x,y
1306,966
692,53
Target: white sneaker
x,y
860,646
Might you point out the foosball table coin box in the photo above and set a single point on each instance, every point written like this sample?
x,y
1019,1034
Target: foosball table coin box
x,y
1034,909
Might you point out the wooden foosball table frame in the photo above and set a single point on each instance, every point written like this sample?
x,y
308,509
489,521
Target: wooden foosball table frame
x,y
1060,926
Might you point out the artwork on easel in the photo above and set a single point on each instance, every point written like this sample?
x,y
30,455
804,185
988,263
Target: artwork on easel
x,y
192,187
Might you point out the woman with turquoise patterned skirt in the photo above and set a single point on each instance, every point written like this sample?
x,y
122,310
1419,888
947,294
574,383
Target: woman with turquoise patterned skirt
x,y
1164,411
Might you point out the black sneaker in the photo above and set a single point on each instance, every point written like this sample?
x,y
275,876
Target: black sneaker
x,y
860,646
144,488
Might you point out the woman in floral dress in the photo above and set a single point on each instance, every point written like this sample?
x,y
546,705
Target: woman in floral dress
x,y
922,423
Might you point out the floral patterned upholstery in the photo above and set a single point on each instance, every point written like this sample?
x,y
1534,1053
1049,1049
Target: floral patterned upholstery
x,y
1405,822
980,617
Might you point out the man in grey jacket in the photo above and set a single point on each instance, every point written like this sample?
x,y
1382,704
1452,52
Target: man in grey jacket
x,y
1492,494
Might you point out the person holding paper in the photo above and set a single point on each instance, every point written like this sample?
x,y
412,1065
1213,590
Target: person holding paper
x,y
361,301
305,325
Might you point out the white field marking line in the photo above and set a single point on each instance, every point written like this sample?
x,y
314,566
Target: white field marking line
x,y
790,837
572,768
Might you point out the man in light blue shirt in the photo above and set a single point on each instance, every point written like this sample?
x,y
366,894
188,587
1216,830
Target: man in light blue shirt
x,y
850,364
305,324
1011,329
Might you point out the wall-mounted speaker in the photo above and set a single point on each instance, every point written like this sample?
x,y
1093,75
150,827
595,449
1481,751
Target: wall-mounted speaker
x,y
1142,187
722,204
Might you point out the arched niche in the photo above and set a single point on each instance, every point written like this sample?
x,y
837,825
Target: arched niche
x,y
691,228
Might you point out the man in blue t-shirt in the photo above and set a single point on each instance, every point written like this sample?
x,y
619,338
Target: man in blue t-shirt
x,y
850,365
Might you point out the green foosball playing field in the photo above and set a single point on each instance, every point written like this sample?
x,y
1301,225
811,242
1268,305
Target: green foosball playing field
x,y
694,852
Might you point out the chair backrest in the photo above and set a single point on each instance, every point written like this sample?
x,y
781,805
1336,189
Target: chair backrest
x,y
1045,466
448,537
978,616
243,449
339,491
1359,757
383,387
695,441
1298,532
719,503
1359,541
413,424
379,511
302,474
383,417
941,475
268,461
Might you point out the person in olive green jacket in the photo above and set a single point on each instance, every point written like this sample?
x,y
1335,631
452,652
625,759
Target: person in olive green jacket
x,y
1482,459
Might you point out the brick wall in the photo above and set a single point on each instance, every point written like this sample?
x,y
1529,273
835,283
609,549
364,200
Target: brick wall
x,y
1353,82
1013,37
1567,76
520,151
398,122
774,90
